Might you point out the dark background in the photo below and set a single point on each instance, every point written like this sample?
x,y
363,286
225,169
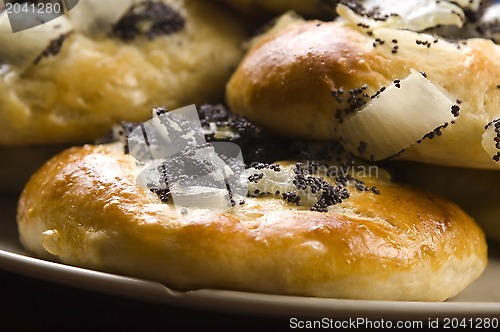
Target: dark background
x,y
32,305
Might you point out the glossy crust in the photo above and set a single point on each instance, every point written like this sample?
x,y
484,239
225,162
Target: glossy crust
x,y
84,208
92,84
286,80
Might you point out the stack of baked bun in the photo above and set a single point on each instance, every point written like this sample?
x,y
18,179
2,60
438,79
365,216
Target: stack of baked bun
x,y
283,190
352,80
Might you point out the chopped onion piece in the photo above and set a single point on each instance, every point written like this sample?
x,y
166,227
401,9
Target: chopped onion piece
x,y
180,164
202,189
492,13
416,15
23,48
166,134
491,140
204,197
397,118
279,184
267,181
220,133
221,170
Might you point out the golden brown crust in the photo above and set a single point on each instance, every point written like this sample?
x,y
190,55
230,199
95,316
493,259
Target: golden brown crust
x,y
286,80
84,208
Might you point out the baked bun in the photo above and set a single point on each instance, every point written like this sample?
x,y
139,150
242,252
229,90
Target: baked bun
x,y
286,81
84,208
303,7
95,81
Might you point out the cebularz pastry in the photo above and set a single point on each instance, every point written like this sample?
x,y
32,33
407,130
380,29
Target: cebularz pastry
x,y
304,7
71,79
304,228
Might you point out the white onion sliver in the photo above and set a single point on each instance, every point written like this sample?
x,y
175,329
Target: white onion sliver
x,y
491,140
21,49
271,181
180,163
396,119
416,15
278,24
468,4
150,175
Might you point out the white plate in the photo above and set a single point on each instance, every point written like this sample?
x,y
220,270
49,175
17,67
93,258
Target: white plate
x,y
482,298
